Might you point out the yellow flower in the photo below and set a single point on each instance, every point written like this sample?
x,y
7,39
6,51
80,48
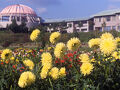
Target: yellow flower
x,y
6,54
94,42
84,58
17,60
46,59
99,63
34,34
113,60
29,64
92,60
86,68
59,50
117,40
73,44
115,55
26,79
49,48
54,37
107,46
54,73
62,72
44,72
12,58
107,36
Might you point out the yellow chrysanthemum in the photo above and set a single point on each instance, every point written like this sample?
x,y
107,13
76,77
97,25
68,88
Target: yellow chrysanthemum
x,y
54,73
34,34
62,72
29,64
115,55
49,48
117,40
84,58
94,42
54,37
73,44
6,54
46,58
86,68
59,50
26,79
107,36
44,72
107,46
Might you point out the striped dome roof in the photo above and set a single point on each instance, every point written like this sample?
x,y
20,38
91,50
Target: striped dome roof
x,y
18,9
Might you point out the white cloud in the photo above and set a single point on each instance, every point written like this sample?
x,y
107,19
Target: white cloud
x,y
41,10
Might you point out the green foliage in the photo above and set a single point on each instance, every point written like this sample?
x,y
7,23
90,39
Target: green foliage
x,y
14,27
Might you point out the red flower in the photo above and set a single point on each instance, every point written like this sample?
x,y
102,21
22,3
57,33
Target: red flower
x,y
70,65
21,70
79,60
75,52
56,61
14,66
70,55
70,60
62,61
77,56
2,63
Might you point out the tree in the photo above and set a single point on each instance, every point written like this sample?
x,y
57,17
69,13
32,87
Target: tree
x,y
80,24
23,27
14,27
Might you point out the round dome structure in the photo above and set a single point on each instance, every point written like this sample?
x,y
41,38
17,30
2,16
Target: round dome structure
x,y
20,13
18,9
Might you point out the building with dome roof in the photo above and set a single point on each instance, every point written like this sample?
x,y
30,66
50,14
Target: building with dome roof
x,y
103,21
20,13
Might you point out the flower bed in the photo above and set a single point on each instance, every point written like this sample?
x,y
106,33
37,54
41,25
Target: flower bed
x,y
62,65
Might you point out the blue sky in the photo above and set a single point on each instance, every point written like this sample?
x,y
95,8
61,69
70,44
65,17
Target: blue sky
x,y
65,8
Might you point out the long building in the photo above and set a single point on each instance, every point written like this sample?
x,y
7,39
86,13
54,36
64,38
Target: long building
x,y
103,21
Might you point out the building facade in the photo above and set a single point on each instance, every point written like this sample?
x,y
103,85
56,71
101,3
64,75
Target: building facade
x,y
107,20
70,25
103,21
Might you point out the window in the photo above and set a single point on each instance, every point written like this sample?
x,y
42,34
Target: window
x,y
114,27
5,18
24,18
119,28
12,18
113,18
83,30
0,19
70,25
99,19
107,28
18,19
108,18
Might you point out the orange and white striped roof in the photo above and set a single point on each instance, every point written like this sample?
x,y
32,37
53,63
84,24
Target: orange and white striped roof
x,y
18,9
